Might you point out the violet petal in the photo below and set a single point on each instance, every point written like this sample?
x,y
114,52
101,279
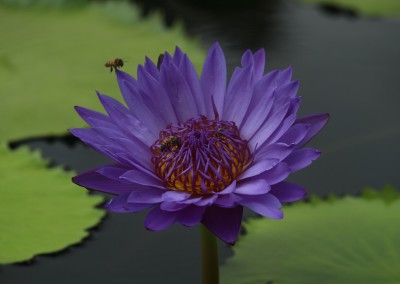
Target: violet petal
x,y
288,192
120,205
139,177
191,215
316,122
301,158
224,222
93,180
213,79
146,196
158,219
253,187
266,205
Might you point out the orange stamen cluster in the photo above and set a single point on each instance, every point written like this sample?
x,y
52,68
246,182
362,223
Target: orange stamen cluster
x,y
200,156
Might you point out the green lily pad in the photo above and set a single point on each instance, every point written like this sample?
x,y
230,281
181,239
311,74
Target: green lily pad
x,y
41,210
53,58
366,7
347,241
388,194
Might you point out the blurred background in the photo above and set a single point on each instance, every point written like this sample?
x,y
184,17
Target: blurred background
x,y
344,53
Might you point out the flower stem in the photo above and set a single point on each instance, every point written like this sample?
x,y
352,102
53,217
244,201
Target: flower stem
x,y
209,255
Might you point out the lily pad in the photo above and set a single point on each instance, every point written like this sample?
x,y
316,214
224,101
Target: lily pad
x,y
53,58
41,210
388,194
347,241
366,7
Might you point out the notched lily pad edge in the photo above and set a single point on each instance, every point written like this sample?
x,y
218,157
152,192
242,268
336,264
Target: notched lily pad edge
x,y
87,232
388,194
88,236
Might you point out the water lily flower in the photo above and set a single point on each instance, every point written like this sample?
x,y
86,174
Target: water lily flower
x,y
198,150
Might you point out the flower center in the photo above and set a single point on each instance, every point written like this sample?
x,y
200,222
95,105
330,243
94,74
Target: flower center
x,y
200,156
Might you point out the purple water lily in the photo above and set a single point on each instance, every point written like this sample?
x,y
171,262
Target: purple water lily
x,y
196,149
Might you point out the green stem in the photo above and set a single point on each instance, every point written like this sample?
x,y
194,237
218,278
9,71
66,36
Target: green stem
x,y
209,255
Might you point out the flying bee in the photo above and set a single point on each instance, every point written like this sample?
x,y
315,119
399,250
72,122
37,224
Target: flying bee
x,y
170,143
114,64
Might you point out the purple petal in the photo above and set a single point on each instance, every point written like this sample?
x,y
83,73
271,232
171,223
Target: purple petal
x,y
93,180
260,105
141,153
206,201
277,151
229,189
284,76
113,172
179,92
213,79
91,138
132,162
178,56
266,205
94,118
224,222
259,64
138,102
128,87
238,95
158,219
301,158
247,58
108,150
287,91
287,122
155,98
277,174
113,107
294,106
271,123
120,205
151,68
139,177
173,206
253,187
288,192
119,154
191,215
258,167
126,122
190,74
192,200
227,201
281,129
88,136
147,195
175,195
166,60
295,134
316,122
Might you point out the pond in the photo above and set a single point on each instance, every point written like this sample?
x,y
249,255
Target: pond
x,y
347,65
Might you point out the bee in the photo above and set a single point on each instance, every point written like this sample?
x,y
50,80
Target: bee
x,y
219,132
170,143
160,60
114,64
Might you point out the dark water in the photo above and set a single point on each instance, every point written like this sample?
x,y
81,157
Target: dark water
x,y
347,65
